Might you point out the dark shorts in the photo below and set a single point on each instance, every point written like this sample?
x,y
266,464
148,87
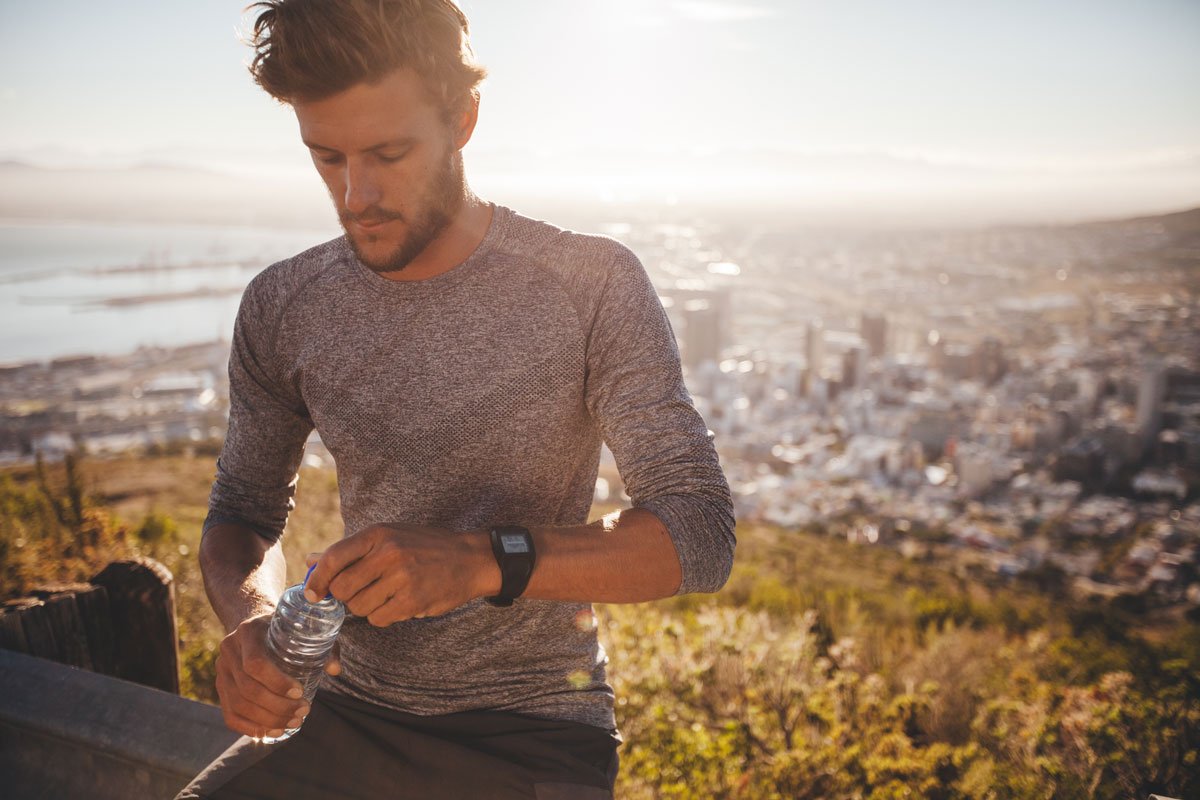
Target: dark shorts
x,y
348,748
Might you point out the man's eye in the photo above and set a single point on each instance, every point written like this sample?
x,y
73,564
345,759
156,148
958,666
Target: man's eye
x,y
329,159
391,158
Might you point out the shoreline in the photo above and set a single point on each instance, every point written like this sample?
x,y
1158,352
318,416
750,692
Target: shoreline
x,y
8,367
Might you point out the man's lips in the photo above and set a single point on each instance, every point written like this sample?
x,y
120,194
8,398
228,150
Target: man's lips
x,y
372,225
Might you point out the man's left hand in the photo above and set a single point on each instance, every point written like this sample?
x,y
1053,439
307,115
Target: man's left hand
x,y
390,573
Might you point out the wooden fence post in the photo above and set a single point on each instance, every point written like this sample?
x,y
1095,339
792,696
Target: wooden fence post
x,y
141,599
12,631
59,615
81,620
121,624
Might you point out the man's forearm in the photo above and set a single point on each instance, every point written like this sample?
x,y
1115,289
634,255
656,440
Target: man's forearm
x,y
243,574
625,557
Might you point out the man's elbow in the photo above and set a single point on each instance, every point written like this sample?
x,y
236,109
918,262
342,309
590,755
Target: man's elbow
x,y
710,566
701,527
225,538
715,576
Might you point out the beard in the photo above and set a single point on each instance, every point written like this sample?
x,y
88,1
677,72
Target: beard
x,y
432,213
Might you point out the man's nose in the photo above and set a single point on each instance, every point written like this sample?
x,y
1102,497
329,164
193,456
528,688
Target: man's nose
x,y
362,190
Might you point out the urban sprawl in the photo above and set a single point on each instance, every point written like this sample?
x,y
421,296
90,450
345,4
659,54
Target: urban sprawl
x,y
1003,400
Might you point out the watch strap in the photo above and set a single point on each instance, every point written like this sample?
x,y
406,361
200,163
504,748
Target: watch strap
x,y
515,567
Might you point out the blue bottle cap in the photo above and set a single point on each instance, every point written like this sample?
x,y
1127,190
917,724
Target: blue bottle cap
x,y
310,569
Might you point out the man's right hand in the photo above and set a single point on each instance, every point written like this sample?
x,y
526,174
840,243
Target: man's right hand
x,y
257,698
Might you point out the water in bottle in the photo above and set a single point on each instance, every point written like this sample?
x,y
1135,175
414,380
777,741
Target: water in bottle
x,y
300,636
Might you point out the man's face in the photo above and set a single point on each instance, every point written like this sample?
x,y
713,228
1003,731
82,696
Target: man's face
x,y
391,163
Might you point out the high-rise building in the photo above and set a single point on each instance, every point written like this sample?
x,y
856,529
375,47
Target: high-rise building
x,y
702,332
1151,390
853,364
992,363
873,329
814,347
705,316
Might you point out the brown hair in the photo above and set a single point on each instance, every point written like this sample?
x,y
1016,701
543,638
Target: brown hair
x,y
307,50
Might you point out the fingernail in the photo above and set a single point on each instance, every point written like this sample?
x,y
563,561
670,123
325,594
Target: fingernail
x,y
295,694
310,595
276,732
295,722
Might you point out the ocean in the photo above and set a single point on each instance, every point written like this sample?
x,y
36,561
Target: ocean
x,y
99,288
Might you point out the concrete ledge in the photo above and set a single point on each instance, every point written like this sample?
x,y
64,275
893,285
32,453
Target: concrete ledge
x,y
67,732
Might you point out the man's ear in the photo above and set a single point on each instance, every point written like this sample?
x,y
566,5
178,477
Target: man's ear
x,y
464,122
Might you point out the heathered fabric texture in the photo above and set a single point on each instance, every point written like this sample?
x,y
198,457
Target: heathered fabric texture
x,y
474,398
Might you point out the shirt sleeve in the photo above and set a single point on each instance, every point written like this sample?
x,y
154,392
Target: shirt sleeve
x,y
257,469
663,448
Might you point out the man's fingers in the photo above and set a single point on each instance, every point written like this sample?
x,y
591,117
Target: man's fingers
x,y
246,651
354,578
253,691
239,724
238,698
334,560
262,668
264,717
398,607
252,687
371,597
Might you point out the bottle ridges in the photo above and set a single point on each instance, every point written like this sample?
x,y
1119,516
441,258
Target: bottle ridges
x,y
301,634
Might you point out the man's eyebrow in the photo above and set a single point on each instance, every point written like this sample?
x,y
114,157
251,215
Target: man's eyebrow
x,y
403,141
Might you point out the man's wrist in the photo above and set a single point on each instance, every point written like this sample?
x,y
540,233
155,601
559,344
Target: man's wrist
x,y
485,569
516,555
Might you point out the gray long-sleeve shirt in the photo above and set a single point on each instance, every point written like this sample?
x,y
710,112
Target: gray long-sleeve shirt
x,y
474,398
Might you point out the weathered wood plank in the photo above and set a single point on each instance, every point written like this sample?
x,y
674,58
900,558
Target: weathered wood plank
x,y
96,617
68,630
141,597
12,635
38,626
82,627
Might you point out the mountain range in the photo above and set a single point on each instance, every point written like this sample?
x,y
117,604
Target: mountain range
x,y
848,188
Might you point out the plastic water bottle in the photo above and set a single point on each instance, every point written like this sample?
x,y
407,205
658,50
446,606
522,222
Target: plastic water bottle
x,y
300,636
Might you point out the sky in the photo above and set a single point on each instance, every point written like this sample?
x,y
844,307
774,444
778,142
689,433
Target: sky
x,y
684,90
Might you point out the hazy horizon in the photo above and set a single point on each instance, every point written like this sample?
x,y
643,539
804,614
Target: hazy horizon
x,y
845,192
859,113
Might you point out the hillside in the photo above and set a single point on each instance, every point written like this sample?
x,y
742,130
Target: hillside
x,y
822,669
1161,240
1182,224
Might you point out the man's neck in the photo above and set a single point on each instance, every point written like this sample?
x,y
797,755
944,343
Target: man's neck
x,y
453,245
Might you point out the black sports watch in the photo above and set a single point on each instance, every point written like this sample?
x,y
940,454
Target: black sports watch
x,y
513,546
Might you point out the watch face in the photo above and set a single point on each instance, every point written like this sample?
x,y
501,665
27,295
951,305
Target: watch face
x,y
514,543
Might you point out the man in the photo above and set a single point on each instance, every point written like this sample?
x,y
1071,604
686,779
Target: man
x,y
463,364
